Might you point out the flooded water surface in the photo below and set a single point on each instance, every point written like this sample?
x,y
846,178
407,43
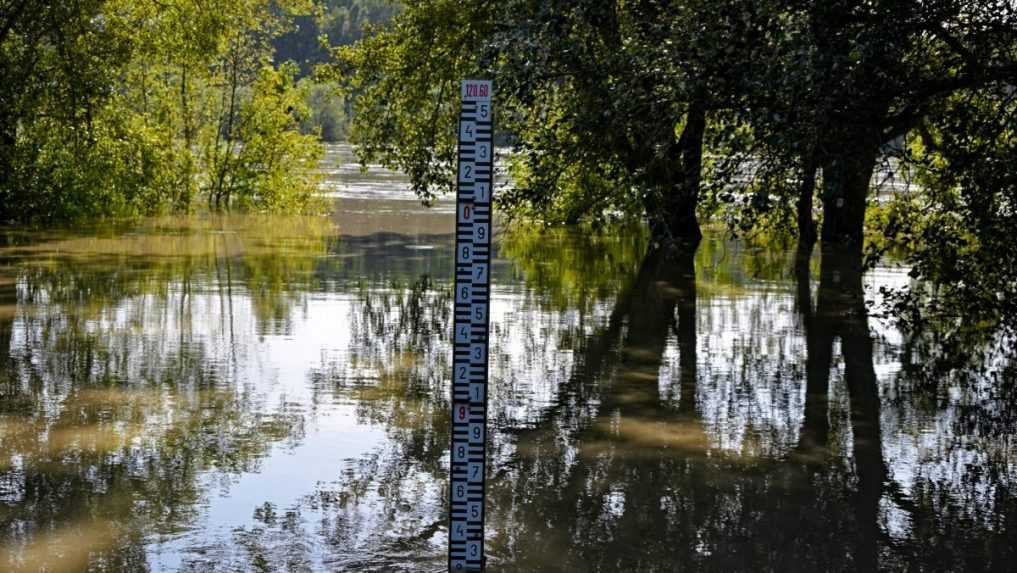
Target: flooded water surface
x,y
271,394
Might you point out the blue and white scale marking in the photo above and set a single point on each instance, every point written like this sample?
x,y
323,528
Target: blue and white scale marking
x,y
472,306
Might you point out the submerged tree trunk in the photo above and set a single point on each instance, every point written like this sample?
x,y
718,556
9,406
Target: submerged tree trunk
x,y
665,284
674,182
807,234
685,332
623,404
657,448
847,173
863,393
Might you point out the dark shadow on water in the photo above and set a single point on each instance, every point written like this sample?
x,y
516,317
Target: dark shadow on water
x,y
841,313
644,488
596,512
8,306
819,336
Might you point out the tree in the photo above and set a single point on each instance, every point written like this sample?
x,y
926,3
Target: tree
x,y
957,232
55,58
203,76
936,79
134,107
612,110
856,76
606,104
406,79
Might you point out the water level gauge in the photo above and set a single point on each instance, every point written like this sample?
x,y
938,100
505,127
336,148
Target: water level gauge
x,y
471,334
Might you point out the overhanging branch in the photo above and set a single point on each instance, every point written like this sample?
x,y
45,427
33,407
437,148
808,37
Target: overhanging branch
x,y
908,116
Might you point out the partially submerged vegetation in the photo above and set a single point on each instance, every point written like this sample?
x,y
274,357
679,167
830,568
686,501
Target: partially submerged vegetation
x,y
134,107
767,115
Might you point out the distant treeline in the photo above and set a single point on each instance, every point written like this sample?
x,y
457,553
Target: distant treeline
x,y
333,23
309,43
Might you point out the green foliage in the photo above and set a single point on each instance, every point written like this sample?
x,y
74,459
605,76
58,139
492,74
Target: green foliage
x,y
406,79
602,102
957,232
840,82
135,107
326,111
334,23
617,92
274,166
55,60
582,196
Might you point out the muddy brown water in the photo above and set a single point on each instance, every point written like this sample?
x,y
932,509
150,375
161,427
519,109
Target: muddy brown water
x,y
270,394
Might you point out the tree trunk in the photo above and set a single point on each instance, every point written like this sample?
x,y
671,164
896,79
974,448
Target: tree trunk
x,y
625,400
8,143
674,182
682,207
806,224
846,177
685,332
863,393
663,301
187,175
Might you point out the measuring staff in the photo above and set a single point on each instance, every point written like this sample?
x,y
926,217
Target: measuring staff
x,y
471,332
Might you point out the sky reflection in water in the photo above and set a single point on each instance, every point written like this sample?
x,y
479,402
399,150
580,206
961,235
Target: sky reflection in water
x,y
270,394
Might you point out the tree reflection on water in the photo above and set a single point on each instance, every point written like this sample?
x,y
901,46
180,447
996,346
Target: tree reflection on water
x,y
650,411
